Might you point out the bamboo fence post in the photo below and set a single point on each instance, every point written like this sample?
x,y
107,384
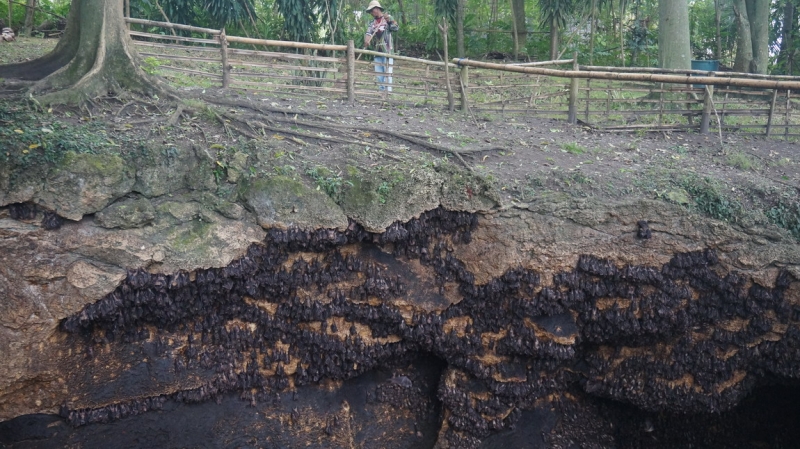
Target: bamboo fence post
x,y
771,111
788,108
351,72
588,99
572,113
722,115
427,86
450,101
660,104
708,98
464,79
226,68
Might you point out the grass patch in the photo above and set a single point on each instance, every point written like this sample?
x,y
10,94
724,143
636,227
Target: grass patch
x,y
740,160
573,148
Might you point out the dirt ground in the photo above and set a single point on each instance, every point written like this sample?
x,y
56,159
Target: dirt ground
x,y
731,177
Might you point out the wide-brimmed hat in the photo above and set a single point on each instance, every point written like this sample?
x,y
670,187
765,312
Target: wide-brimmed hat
x,y
374,4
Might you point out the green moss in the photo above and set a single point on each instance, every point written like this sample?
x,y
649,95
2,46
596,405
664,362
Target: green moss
x,y
92,164
193,236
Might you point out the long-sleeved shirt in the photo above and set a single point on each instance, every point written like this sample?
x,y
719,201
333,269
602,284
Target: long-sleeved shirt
x,y
381,31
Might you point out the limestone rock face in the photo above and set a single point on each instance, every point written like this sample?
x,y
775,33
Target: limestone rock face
x,y
132,213
80,184
281,201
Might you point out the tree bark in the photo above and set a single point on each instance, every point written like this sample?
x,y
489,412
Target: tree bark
x,y
787,34
460,49
30,10
93,58
744,43
553,39
718,18
593,28
673,35
758,14
403,18
518,10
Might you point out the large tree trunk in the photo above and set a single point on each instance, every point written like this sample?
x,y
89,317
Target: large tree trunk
x,y
93,58
744,43
518,11
758,14
673,35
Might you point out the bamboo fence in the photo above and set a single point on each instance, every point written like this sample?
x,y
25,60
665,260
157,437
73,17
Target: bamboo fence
x,y
611,98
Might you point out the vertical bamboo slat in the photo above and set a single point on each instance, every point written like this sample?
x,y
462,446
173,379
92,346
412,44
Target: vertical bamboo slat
x,y
572,113
351,72
771,111
226,68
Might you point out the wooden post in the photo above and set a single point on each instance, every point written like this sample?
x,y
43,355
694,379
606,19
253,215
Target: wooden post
x,y
572,114
9,14
226,68
788,108
451,105
660,104
707,101
588,99
771,111
351,72
128,12
464,79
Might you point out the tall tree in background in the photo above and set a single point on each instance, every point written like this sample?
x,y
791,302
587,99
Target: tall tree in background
x,y
30,9
460,17
519,28
786,54
673,35
555,13
752,43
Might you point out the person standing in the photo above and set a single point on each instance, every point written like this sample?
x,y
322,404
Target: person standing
x,y
379,34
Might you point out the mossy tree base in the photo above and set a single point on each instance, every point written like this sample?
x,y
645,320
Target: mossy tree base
x,y
94,58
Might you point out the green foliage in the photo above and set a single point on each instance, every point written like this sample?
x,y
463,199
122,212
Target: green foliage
x,y
708,198
786,214
327,181
34,140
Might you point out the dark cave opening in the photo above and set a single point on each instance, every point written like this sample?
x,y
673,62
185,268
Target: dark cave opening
x,y
767,418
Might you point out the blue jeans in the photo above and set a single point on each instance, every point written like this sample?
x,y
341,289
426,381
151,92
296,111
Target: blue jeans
x,y
382,66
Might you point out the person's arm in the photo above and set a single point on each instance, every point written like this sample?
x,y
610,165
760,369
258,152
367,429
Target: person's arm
x,y
370,33
393,26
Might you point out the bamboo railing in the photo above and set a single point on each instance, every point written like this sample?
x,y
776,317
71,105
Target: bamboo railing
x,y
612,98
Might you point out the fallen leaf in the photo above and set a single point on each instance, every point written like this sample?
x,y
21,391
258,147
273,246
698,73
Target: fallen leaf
x,y
19,131
33,146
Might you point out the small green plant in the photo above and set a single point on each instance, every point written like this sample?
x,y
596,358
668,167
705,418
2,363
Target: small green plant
x,y
327,181
383,190
573,148
786,214
708,198
151,64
